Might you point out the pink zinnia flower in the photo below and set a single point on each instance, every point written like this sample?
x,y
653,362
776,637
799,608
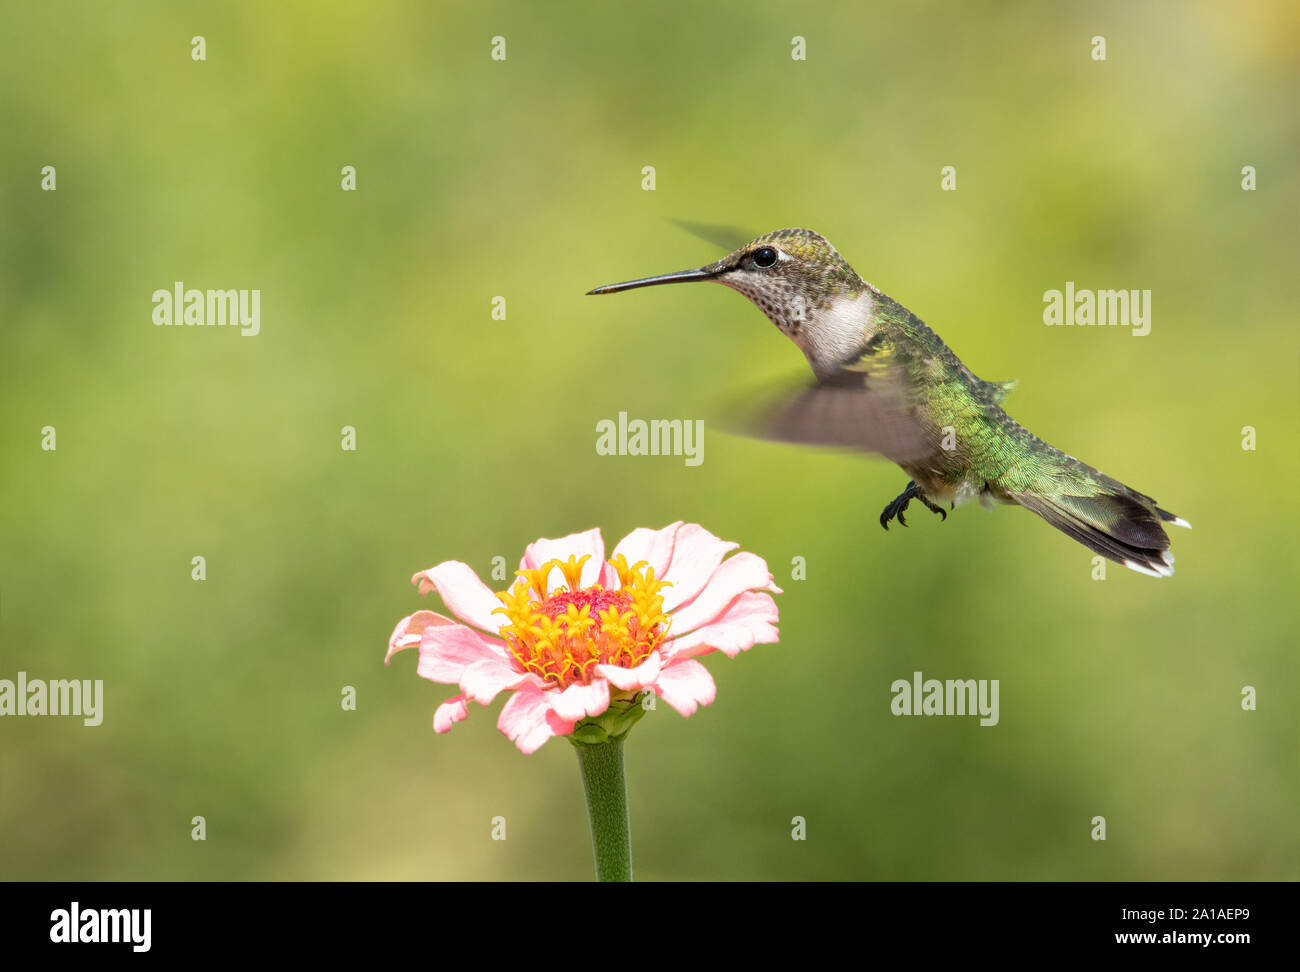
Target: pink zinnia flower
x,y
576,630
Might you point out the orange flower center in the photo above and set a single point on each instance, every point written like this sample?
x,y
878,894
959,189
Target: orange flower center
x,y
563,635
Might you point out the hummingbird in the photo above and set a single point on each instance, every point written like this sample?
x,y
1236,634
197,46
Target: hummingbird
x,y
884,382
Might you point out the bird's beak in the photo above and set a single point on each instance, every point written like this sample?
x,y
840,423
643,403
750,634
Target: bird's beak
x,y
681,276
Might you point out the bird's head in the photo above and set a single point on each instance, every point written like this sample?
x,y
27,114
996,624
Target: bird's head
x,y
797,279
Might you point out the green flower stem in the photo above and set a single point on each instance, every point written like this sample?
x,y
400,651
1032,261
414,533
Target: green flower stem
x,y
606,786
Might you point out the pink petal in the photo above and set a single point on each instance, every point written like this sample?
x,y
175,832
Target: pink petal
x,y
408,631
631,679
608,577
452,711
686,685
575,544
527,719
695,557
655,547
465,595
741,573
447,650
746,621
485,679
578,700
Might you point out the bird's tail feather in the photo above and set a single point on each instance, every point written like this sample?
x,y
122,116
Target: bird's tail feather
x,y
1120,524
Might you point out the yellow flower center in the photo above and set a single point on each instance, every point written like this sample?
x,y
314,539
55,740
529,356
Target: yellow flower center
x,y
563,635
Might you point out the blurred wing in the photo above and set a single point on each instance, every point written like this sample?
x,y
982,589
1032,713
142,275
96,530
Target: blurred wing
x,y
867,407
728,238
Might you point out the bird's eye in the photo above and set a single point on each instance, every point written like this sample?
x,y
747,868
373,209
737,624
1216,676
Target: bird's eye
x,y
765,257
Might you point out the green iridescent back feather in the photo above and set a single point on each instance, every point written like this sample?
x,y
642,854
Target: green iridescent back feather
x,y
1013,464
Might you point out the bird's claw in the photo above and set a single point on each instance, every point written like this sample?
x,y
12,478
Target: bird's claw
x,y
899,505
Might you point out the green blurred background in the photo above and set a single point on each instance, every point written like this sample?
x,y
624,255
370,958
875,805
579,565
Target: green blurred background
x,y
522,178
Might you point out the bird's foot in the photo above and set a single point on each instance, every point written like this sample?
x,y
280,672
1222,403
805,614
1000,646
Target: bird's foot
x,y
899,504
